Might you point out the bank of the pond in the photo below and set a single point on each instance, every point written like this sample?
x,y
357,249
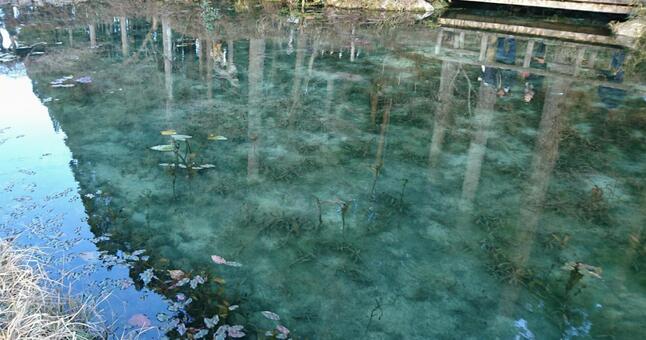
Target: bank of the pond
x,y
34,306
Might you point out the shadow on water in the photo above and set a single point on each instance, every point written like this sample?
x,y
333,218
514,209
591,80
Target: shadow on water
x,y
359,179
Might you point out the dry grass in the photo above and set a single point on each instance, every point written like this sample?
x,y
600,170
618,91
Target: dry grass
x,y
32,306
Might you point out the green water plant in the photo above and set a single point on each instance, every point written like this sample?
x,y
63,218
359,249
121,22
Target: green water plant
x,y
578,271
184,155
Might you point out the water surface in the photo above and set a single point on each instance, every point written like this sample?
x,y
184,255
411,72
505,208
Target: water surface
x,y
370,183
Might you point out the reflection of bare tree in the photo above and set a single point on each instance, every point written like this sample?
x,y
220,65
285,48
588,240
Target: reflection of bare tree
x,y
379,156
123,24
298,73
208,46
543,161
167,43
482,118
444,101
92,30
256,66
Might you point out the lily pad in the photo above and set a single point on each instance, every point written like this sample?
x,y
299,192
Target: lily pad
x,y
216,137
181,137
163,148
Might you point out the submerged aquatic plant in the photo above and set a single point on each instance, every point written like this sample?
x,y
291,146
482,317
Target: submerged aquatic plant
x,y
181,149
578,271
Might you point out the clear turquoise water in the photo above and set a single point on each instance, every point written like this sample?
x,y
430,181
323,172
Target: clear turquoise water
x,y
369,187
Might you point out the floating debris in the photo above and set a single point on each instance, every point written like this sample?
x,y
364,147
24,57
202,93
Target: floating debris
x,y
234,307
168,132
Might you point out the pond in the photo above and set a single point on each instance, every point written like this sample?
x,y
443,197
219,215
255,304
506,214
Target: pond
x,y
358,176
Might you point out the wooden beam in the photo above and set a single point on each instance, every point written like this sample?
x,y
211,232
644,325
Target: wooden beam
x,y
526,30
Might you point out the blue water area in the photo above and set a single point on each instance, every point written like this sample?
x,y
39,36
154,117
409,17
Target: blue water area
x,y
334,175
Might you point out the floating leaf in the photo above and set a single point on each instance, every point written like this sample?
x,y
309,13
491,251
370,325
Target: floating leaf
x,y
139,320
181,329
212,322
176,274
181,137
84,80
197,280
270,315
236,331
138,252
163,147
216,137
147,276
282,329
218,259
168,132
202,333
181,282
221,332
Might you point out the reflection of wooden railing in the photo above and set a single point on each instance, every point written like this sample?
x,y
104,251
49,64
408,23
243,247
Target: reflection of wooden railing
x,y
589,60
599,6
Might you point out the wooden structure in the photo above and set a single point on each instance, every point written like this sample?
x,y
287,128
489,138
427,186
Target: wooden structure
x,y
599,6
